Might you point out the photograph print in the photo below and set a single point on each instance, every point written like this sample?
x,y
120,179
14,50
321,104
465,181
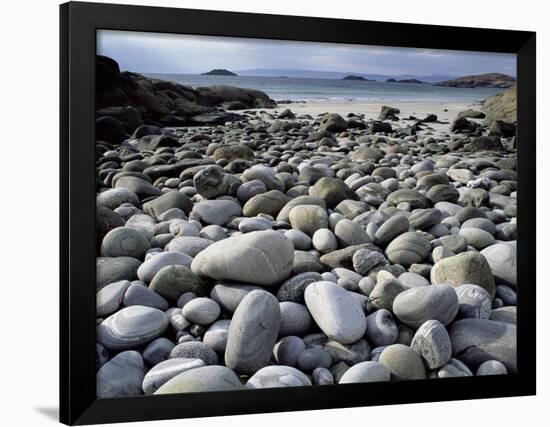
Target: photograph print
x,y
277,213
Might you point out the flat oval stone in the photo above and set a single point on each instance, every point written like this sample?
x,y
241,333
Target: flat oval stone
x,y
286,351
109,270
131,327
229,295
195,350
157,351
390,229
216,335
253,332
109,298
475,341
464,268
298,201
269,203
415,306
254,224
172,281
312,358
403,362
477,237
188,245
384,292
364,260
408,248
300,240
502,259
205,378
295,319
261,257
249,189
455,368
366,372
138,186
308,218
152,265
381,328
424,218
491,367
139,294
121,376
277,376
322,376
324,240
293,289
412,280
454,243
413,197
473,301
124,241
114,197
216,212
332,191
350,233
432,342
336,311
202,311
166,370
504,314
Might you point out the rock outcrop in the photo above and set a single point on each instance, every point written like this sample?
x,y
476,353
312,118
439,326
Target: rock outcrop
x,y
134,99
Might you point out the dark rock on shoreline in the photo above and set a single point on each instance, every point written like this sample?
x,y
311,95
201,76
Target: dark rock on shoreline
x,y
166,102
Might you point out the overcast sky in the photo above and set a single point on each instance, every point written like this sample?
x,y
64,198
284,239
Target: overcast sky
x,y
175,53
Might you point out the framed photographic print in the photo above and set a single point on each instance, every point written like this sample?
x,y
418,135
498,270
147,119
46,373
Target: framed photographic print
x,y
274,213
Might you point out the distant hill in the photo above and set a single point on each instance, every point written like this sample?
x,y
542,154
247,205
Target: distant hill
x,y
313,74
496,80
415,81
353,77
219,72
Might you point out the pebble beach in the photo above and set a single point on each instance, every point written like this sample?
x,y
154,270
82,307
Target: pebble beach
x,y
282,245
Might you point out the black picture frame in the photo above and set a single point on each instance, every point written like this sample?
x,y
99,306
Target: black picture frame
x,y
78,25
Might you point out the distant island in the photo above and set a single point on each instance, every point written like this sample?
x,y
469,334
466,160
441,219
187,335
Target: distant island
x,y
352,77
416,81
494,80
219,72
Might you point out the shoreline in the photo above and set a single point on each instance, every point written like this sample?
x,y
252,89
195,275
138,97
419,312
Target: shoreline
x,y
371,109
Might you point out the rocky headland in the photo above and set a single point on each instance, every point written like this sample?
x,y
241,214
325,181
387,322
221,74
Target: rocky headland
x,y
268,248
496,80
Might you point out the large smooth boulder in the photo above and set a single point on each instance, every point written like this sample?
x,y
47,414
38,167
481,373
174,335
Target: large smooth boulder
x,y
336,311
464,268
260,257
417,305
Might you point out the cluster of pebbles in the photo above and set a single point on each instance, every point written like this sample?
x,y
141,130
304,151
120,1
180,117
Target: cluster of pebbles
x,y
289,251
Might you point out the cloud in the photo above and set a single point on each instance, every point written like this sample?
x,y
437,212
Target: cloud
x,y
175,53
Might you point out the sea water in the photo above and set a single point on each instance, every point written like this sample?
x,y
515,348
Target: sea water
x,y
313,89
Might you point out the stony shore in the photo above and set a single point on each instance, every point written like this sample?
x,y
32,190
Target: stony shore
x,y
290,248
